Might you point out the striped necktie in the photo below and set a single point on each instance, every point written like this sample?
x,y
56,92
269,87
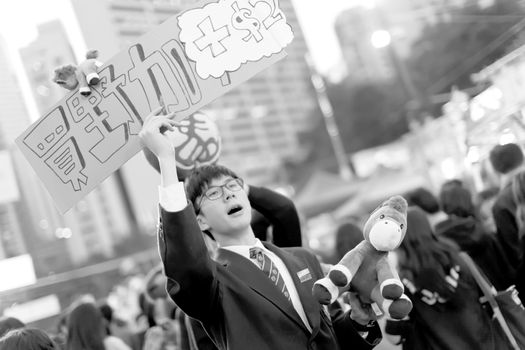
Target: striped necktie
x,y
270,270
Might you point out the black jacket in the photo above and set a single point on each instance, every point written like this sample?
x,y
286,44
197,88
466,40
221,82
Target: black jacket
x,y
436,323
484,248
273,209
504,212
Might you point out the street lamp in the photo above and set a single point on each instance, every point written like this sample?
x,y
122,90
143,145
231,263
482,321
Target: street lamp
x,y
327,111
380,39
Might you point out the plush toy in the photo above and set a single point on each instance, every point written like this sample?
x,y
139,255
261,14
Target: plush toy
x,y
85,75
366,268
197,142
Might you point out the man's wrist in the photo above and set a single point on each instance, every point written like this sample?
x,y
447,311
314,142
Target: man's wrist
x,y
168,169
173,197
167,157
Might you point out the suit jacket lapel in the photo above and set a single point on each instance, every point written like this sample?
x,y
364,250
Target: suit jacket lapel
x,y
304,289
257,281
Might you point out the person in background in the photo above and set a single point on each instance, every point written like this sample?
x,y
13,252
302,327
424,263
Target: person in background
x,y
507,161
166,331
274,212
347,237
119,328
87,330
146,318
9,323
463,227
60,335
447,313
222,293
426,201
27,339
485,201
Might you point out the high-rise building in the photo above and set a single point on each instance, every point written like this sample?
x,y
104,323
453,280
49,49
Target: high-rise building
x,y
96,224
51,49
403,19
13,121
354,28
259,121
407,18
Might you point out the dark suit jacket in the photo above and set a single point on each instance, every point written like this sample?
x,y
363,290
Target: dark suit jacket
x,y
504,212
237,304
278,211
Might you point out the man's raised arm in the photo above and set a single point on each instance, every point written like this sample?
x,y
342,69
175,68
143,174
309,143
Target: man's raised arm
x,y
187,265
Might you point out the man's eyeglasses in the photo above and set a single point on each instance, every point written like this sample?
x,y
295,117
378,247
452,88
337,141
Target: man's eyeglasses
x,y
215,192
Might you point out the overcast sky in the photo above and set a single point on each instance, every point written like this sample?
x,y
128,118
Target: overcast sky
x,y
18,24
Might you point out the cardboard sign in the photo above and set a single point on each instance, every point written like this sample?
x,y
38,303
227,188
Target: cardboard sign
x,y
186,62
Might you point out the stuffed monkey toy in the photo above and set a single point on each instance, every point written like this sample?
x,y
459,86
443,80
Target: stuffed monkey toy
x,y
84,76
366,268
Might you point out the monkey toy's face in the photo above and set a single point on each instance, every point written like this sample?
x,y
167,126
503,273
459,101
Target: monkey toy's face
x,y
65,76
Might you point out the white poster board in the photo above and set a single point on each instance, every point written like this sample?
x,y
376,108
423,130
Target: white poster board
x,y
35,309
187,62
17,272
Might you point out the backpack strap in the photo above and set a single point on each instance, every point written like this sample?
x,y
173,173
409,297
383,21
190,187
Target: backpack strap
x,y
489,292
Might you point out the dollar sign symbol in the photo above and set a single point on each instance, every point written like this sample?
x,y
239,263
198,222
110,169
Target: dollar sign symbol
x,y
242,20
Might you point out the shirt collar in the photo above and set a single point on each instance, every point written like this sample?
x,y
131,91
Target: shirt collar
x,y
244,250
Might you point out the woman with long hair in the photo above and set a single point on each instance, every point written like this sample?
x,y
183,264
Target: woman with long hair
x,y
9,323
27,339
464,227
87,330
447,314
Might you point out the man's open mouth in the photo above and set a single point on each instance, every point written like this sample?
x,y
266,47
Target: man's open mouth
x,y
235,209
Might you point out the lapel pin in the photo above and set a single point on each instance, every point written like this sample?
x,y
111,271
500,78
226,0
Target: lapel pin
x,y
304,275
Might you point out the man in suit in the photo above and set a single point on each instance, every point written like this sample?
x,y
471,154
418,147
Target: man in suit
x,y
254,295
507,161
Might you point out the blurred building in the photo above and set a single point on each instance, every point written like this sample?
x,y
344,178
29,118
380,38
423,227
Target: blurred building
x,y
403,19
56,242
354,28
51,49
494,116
259,121
14,120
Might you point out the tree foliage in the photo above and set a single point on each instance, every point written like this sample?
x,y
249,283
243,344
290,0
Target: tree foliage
x,y
368,114
447,52
463,42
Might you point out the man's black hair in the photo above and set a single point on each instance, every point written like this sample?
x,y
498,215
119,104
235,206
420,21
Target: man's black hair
x,y
505,158
200,179
457,200
424,199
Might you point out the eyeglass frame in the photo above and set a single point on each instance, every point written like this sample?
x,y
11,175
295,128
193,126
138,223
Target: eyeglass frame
x,y
221,188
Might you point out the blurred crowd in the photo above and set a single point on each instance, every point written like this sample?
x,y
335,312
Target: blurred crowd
x,y
488,226
447,312
137,315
